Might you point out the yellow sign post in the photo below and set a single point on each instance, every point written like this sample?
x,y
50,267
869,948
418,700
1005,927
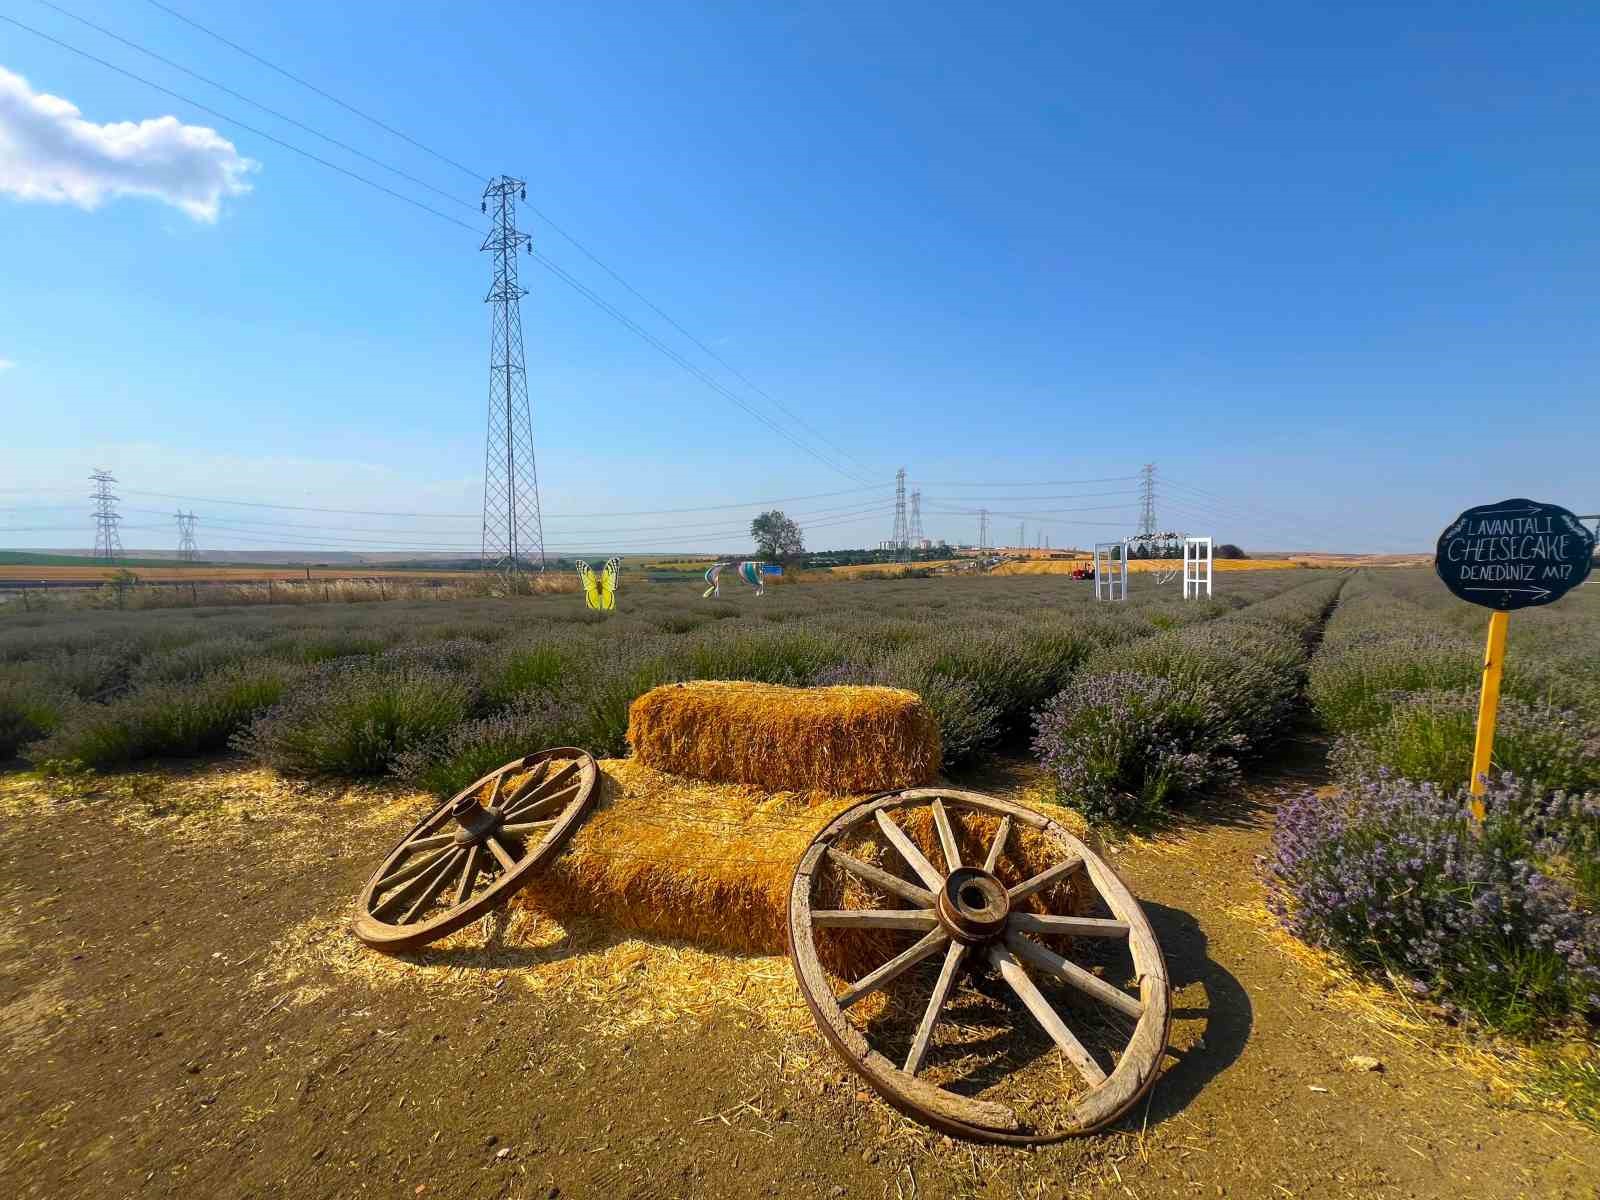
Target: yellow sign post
x,y
1494,661
1514,554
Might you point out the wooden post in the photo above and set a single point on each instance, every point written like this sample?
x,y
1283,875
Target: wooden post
x,y
1494,660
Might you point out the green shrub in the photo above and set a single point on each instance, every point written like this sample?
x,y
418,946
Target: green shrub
x,y
30,708
1428,738
166,718
450,763
354,717
537,667
1122,746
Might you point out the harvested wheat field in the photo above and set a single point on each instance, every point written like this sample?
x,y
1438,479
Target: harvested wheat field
x,y
831,739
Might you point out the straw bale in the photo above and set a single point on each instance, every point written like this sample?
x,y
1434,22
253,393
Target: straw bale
x,y
712,863
839,740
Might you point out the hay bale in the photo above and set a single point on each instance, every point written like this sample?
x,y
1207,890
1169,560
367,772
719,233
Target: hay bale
x,y
839,740
712,863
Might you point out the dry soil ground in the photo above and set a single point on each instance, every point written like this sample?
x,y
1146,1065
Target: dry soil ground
x,y
182,1015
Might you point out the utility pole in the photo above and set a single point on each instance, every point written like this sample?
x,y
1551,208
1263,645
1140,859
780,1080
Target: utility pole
x,y
107,541
902,531
513,528
186,548
1147,488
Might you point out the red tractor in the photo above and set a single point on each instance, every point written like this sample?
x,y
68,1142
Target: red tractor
x,y
1084,572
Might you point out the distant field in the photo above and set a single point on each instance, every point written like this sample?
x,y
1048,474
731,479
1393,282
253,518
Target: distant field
x,y
1136,565
90,574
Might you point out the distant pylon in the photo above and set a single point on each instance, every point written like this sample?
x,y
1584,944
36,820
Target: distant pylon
x,y
983,530
107,541
917,536
1147,488
902,531
186,548
1022,535
513,529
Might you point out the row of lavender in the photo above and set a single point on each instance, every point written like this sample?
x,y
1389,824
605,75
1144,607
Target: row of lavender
x,y
440,693
1500,923
1143,724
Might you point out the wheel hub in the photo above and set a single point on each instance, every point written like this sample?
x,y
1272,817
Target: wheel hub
x,y
476,821
973,906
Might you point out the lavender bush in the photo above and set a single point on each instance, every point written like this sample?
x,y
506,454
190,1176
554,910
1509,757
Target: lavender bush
x,y
1121,745
1392,875
1428,737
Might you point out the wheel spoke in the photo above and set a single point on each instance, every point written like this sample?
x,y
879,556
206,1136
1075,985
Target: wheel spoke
x,y
470,875
947,836
998,846
941,992
532,802
894,968
875,918
432,842
1044,879
1074,976
499,851
435,886
411,870
523,828
1011,971
881,879
544,787
419,883
1074,926
908,851
534,779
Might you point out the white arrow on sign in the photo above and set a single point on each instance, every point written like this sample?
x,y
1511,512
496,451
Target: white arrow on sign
x,y
1534,591
1526,510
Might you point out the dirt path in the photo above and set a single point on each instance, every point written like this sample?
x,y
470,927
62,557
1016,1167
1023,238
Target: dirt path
x,y
160,1040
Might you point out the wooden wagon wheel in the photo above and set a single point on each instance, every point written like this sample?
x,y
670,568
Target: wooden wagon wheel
x,y
959,914
476,850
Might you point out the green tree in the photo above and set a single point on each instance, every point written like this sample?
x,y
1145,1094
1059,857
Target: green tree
x,y
777,537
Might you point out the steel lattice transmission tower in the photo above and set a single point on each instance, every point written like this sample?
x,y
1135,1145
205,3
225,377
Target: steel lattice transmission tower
x,y
513,529
1147,503
186,547
901,537
917,536
107,541
983,530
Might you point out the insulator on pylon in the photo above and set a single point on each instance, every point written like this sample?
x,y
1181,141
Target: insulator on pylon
x,y
524,193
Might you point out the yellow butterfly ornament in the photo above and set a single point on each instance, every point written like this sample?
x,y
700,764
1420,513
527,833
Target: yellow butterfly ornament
x,y
600,591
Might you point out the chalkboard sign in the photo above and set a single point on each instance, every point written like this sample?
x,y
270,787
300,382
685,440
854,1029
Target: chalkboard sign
x,y
1514,554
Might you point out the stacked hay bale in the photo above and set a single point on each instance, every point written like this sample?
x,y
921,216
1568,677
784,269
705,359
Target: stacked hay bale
x,y
706,851
830,739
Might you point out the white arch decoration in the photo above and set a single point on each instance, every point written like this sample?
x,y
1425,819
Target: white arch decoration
x,y
1197,561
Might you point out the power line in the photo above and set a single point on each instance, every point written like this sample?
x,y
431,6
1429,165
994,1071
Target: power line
x,y
716,386
477,175
272,112
578,245
222,116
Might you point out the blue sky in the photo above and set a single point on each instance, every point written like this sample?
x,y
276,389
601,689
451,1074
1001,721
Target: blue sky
x,y
1336,270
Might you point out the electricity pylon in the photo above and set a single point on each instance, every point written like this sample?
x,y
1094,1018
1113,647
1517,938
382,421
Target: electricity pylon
x,y
513,528
107,541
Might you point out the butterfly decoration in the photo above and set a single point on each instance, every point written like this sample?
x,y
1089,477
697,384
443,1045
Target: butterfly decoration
x,y
750,572
600,591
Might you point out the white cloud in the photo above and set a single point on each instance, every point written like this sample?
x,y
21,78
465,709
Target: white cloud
x,y
49,153
7,363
